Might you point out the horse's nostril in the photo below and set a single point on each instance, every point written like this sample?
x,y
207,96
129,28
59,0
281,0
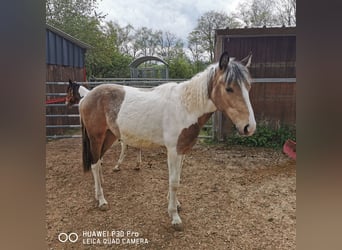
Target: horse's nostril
x,y
245,130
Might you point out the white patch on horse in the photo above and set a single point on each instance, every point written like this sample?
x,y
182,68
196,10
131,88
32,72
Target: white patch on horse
x,y
83,92
252,123
139,125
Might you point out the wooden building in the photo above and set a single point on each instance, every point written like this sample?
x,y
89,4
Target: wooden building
x,y
273,69
65,56
65,59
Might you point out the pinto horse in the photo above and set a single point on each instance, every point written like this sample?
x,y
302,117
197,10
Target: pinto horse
x,y
75,93
170,115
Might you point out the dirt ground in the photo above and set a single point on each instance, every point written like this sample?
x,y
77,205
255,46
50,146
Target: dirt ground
x,y
231,197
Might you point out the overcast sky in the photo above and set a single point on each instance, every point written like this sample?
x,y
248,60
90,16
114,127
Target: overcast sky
x,y
177,16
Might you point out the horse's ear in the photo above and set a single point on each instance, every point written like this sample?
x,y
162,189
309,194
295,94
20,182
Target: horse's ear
x,y
247,60
70,82
224,60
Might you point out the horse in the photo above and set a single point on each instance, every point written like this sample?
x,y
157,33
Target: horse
x,y
169,115
75,92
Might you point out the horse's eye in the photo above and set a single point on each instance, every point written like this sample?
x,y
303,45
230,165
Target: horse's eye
x,y
229,90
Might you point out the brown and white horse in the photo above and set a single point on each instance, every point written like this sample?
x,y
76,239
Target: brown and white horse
x,y
75,92
170,115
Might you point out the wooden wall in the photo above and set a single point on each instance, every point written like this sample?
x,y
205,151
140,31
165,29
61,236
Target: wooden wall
x,y
58,73
273,57
274,102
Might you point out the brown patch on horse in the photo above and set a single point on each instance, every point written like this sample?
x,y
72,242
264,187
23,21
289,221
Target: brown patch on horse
x,y
188,136
203,119
99,111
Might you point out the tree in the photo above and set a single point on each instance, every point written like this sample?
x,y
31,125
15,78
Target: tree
x,y
124,36
170,45
70,15
202,38
180,68
79,19
143,41
258,13
195,46
286,12
119,66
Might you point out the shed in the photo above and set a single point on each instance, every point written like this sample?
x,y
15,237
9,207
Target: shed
x,y
65,56
149,72
65,59
273,70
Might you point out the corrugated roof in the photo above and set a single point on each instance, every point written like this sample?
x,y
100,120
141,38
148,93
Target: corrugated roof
x,y
69,37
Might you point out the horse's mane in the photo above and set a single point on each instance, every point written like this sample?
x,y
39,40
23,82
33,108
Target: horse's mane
x,y
195,93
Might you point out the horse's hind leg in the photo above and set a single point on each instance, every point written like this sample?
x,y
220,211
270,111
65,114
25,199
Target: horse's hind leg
x,y
99,146
121,157
96,168
107,143
137,167
175,166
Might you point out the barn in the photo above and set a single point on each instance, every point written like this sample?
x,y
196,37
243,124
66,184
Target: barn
x,y
273,69
65,59
65,56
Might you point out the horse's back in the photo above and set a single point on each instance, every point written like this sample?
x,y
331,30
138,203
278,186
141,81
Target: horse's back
x,y
104,95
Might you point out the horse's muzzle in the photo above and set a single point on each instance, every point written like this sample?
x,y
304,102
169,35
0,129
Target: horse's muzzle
x,y
249,130
246,130
68,104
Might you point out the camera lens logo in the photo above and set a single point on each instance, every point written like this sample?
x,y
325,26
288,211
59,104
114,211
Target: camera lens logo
x,y
71,237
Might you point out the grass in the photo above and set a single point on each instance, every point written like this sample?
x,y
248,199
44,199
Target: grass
x,y
266,135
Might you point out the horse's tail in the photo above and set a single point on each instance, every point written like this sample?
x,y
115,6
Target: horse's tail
x,y
86,152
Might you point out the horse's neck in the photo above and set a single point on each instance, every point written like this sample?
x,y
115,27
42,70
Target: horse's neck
x,y
195,95
83,91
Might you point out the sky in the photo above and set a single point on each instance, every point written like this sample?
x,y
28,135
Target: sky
x,y
176,16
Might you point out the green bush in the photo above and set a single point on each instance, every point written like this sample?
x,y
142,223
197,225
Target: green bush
x,y
265,136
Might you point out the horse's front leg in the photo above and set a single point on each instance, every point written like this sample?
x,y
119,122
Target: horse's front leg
x,y
96,169
175,167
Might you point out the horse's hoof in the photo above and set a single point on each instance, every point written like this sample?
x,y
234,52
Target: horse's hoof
x,y
178,227
104,207
137,166
116,169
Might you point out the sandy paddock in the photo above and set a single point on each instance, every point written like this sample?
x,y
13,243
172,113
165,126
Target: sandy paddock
x,y
232,198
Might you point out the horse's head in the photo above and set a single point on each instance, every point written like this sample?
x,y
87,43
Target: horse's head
x,y
73,96
229,90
